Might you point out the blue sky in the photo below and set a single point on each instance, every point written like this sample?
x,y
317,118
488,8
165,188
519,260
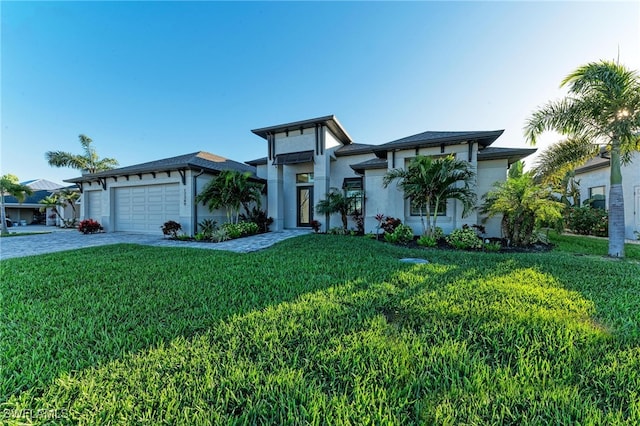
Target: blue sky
x,y
150,80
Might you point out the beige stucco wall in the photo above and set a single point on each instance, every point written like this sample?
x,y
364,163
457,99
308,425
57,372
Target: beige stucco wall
x,y
295,142
489,172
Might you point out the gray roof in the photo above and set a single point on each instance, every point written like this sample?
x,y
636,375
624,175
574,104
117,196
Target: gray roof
x,y
195,161
596,163
42,184
355,149
329,120
257,161
34,198
510,154
374,163
427,139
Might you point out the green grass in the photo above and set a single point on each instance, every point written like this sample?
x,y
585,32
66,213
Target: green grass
x,y
320,329
590,245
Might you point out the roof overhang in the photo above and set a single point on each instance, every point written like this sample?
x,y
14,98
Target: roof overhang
x,y
293,158
510,154
330,121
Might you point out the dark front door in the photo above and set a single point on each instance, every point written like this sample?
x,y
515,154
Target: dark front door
x,y
305,205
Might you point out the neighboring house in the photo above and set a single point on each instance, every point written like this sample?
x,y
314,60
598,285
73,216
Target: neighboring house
x,y
142,197
308,158
28,212
594,179
305,159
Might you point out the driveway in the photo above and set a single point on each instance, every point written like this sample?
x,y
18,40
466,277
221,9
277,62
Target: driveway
x,y
70,239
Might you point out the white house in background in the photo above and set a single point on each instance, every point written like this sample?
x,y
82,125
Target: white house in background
x,y
28,212
594,183
305,160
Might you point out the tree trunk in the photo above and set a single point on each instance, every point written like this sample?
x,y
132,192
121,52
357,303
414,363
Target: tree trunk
x,y
616,205
3,216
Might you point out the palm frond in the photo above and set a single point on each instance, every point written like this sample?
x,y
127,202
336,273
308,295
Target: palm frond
x,y
561,157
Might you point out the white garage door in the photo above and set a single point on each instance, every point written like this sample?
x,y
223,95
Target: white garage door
x,y
93,208
146,208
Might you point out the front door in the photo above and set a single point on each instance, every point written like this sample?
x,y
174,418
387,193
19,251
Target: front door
x,y
305,205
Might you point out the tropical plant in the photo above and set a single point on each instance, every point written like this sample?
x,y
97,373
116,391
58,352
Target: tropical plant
x,y
207,227
403,234
427,241
52,202
337,202
171,228
259,217
524,206
429,182
10,185
89,226
587,220
601,108
231,190
464,238
390,224
69,198
89,162
315,225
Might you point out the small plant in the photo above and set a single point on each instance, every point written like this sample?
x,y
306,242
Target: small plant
x,y
437,233
207,227
587,220
379,217
201,236
403,234
637,234
315,225
390,224
259,217
89,226
183,237
427,241
371,236
336,230
69,223
171,228
358,218
493,247
464,238
219,235
242,229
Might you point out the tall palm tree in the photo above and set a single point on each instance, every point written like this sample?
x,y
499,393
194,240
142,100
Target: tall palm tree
x,y
52,202
430,182
89,162
9,185
230,190
69,198
601,108
336,202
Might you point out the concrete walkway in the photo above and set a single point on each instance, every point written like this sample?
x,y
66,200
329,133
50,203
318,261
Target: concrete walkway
x,y
70,239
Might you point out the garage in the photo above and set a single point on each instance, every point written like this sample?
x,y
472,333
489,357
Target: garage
x,y
145,208
93,200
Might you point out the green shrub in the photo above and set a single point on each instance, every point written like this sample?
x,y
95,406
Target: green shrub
x,y
337,230
207,227
494,246
259,217
242,229
219,235
200,236
437,233
464,238
588,221
402,235
427,241
390,224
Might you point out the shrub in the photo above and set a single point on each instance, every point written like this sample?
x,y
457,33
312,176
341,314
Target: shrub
x,y
89,226
207,227
588,221
464,238
171,228
637,235
259,217
336,230
427,241
242,229
402,235
390,224
201,236
219,235
494,246
358,218
437,233
315,225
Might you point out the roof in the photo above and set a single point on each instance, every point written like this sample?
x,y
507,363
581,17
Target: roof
x,y
196,161
329,120
34,198
42,184
294,158
510,154
354,149
594,164
427,139
257,162
374,163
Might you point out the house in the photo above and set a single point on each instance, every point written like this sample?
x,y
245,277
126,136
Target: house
x,y
594,177
305,160
28,212
140,198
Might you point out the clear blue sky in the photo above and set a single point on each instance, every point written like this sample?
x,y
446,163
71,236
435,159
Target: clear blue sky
x,y
152,80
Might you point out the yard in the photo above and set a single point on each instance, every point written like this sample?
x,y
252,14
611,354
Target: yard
x,y
321,329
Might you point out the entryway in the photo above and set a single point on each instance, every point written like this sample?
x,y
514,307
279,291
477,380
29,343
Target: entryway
x,y
305,205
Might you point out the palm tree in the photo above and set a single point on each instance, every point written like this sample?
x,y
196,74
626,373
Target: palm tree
x,y
524,206
230,190
89,162
52,202
430,182
9,185
336,202
601,108
69,198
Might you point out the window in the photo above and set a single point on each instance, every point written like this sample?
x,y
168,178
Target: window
x,y
353,188
304,178
597,199
415,208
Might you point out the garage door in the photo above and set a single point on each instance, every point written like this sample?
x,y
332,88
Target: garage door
x,y
146,208
93,208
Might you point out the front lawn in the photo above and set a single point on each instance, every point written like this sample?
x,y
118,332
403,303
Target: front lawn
x,y
320,329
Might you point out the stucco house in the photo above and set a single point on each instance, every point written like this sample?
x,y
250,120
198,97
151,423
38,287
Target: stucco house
x,y
28,212
594,184
305,160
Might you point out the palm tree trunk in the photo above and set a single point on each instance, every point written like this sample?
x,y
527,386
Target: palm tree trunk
x,y
3,215
616,205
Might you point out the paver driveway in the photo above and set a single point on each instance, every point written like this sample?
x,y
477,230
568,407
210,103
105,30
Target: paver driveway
x,y
70,239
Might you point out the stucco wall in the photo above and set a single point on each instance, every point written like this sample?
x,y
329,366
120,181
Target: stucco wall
x,y
295,142
489,172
